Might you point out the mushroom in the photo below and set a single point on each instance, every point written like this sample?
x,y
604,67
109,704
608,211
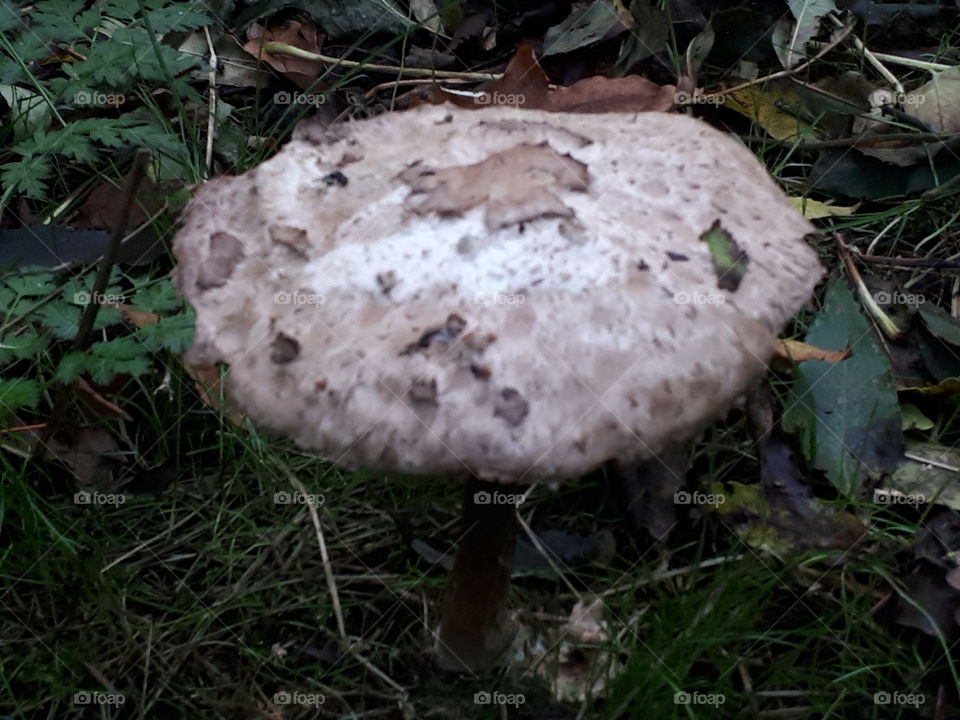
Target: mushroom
x,y
499,295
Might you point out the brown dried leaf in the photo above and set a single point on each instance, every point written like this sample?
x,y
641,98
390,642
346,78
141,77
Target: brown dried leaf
x,y
299,71
91,453
138,318
794,351
98,402
514,186
524,83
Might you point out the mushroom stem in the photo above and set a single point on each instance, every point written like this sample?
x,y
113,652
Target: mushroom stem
x,y
475,627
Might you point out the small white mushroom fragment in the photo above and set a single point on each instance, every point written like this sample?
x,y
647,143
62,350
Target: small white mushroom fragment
x,y
499,295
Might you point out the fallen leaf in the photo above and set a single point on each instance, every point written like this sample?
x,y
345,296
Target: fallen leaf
x,y
138,318
808,14
845,414
514,186
940,323
781,512
525,84
584,26
912,418
815,209
845,174
937,103
794,351
649,35
763,104
729,260
90,452
299,71
928,473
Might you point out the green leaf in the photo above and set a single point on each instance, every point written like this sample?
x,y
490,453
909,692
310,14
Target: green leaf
x,y
18,393
845,414
729,260
27,177
944,326
28,110
159,298
19,346
583,26
170,333
61,20
176,18
36,285
649,35
113,357
62,319
71,366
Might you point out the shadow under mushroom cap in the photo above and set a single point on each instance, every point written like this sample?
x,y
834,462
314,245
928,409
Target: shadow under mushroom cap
x,y
515,294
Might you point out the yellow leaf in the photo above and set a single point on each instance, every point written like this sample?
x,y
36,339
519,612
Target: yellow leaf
x,y
814,209
763,106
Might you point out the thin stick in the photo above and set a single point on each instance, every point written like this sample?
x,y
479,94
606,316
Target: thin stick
x,y
887,325
871,58
909,262
211,101
90,310
274,48
543,551
324,556
917,137
786,73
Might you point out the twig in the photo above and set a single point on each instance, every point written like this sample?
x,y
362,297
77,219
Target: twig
x,y
917,137
324,556
90,310
910,262
887,325
211,101
938,190
786,73
546,554
397,83
871,58
274,48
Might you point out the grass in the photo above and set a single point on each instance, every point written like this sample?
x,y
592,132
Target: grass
x,y
204,597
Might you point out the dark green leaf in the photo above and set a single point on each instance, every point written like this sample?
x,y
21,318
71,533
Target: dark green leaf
x,y
845,414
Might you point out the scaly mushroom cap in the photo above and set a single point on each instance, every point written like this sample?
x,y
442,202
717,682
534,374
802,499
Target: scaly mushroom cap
x,y
516,294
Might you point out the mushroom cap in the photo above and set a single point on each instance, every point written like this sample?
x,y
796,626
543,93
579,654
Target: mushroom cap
x,y
516,294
